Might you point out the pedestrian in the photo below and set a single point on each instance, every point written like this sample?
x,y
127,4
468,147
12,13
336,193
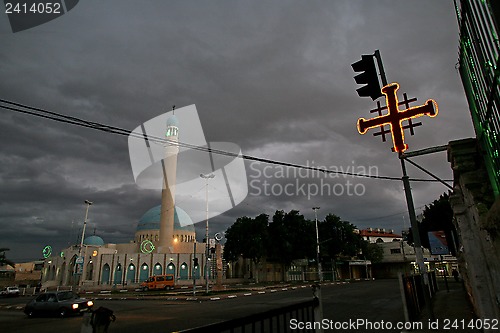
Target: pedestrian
x,y
454,272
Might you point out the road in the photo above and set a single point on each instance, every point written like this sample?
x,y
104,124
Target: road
x,y
369,300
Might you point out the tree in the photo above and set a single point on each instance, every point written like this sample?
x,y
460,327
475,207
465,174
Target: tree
x,y
288,237
437,216
338,237
372,252
291,237
247,237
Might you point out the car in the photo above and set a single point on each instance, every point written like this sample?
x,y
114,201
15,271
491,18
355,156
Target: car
x,y
60,303
10,292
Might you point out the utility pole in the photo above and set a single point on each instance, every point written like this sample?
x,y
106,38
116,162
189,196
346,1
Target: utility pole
x,y
194,268
320,273
430,109
80,262
207,252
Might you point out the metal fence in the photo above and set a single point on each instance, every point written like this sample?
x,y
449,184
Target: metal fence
x,y
413,290
276,320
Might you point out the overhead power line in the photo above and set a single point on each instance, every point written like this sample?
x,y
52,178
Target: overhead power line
x,y
55,116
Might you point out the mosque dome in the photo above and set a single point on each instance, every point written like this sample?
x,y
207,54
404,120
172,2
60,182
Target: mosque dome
x,y
93,240
172,121
151,220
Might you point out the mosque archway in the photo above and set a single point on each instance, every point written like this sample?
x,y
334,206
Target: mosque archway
x,y
157,270
183,272
131,273
170,269
90,270
53,273
196,272
47,274
105,274
71,271
118,274
144,273
62,276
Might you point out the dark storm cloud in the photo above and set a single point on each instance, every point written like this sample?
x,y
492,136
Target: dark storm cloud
x,y
273,77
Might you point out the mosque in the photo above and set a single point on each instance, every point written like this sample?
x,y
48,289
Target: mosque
x,y
164,243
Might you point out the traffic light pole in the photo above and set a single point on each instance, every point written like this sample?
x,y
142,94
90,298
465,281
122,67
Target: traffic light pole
x,y
380,67
419,256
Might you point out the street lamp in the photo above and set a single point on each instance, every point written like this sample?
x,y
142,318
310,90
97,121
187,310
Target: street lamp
x,y
89,203
206,177
320,275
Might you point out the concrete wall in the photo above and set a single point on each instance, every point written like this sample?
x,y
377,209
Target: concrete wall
x,y
478,227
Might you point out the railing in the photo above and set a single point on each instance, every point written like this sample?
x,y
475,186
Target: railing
x,y
413,290
276,320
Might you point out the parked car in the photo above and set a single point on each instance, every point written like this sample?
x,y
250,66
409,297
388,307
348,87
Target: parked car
x,y
10,292
60,303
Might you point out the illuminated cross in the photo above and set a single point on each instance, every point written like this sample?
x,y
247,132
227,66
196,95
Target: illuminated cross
x,y
395,117
406,102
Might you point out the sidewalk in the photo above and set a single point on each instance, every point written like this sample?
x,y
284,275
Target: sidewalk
x,y
452,310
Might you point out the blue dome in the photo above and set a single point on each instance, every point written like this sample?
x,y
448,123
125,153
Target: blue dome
x,y
151,220
172,121
93,240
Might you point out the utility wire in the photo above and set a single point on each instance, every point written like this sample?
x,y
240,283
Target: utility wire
x,y
38,112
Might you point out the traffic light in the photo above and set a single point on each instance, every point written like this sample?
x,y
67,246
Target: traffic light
x,y
195,262
368,77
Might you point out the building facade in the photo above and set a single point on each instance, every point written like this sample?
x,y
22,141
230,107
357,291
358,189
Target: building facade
x,y
476,162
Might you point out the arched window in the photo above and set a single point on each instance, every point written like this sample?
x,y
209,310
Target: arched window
x,y
144,273
379,240
62,276
183,272
131,273
170,268
105,274
157,269
90,270
53,273
118,274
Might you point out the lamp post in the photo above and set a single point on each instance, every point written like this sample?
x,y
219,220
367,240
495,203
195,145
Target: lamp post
x,y
89,203
207,250
320,275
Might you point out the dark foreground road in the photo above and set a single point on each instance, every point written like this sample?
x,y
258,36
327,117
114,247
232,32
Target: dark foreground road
x,y
371,301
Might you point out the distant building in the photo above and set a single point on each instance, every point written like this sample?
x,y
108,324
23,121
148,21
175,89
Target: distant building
x,y
28,274
399,257
379,235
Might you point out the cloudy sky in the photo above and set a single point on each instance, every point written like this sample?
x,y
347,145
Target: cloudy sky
x,y
273,77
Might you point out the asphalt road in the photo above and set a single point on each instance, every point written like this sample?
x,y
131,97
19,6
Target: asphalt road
x,y
371,301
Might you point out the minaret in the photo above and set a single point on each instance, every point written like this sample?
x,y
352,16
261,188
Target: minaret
x,y
169,167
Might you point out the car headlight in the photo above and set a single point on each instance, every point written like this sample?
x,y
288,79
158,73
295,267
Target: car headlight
x,y
90,303
75,306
